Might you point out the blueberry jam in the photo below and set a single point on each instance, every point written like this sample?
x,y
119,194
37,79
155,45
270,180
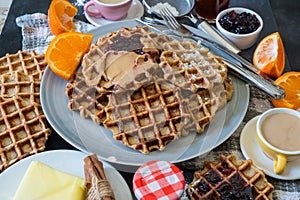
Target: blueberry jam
x,y
239,23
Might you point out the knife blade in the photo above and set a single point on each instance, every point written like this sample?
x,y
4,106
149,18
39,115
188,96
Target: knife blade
x,y
214,35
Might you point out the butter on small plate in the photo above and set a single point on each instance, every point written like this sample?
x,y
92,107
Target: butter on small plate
x,y
67,164
44,182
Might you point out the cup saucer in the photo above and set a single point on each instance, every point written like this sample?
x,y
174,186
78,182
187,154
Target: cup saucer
x,y
251,150
135,11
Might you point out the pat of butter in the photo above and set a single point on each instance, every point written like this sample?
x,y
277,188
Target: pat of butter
x,y
42,182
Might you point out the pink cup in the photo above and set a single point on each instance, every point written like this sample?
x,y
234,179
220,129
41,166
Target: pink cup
x,y
110,11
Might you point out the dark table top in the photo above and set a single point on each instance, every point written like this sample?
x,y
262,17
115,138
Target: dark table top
x,y
285,12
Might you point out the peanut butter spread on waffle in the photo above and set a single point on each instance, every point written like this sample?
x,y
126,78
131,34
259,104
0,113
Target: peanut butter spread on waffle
x,y
148,89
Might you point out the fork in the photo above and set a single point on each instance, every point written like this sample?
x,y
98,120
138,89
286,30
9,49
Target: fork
x,y
250,74
211,33
173,24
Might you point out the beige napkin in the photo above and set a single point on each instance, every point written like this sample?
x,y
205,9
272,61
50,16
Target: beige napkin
x,y
36,32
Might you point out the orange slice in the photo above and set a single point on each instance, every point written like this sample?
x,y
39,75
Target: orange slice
x,y
65,52
60,16
269,55
289,81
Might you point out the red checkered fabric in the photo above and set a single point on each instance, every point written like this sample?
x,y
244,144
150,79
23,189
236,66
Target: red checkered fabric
x,y
158,180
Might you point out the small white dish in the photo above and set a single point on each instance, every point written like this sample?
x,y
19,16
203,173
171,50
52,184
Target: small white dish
x,y
68,161
251,150
242,41
135,11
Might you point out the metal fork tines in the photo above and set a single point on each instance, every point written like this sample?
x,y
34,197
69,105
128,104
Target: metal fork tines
x,y
172,23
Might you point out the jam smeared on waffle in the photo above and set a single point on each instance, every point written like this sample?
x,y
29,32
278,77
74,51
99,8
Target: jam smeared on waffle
x,y
230,179
122,43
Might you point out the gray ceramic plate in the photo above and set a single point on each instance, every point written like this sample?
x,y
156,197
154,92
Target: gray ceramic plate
x,y
89,137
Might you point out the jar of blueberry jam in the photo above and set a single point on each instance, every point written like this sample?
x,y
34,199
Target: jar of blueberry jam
x,y
239,23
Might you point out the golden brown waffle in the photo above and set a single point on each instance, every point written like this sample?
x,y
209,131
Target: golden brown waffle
x,y
17,83
89,101
23,130
230,178
148,118
198,67
198,64
201,72
28,63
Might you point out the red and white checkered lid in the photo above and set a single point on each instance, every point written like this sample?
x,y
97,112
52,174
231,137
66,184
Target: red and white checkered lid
x,y
158,180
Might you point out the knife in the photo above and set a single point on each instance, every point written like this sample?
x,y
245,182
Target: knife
x,y
212,31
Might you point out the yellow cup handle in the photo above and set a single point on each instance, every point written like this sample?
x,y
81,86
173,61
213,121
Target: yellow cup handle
x,y
279,163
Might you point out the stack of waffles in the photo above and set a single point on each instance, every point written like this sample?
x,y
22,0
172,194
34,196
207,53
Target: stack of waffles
x,y
23,128
230,178
148,89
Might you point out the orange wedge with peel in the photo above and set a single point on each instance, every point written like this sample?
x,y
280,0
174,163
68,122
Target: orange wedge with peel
x,y
65,52
290,82
60,16
269,55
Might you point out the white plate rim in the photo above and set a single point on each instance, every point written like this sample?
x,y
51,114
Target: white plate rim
x,y
245,142
9,177
57,127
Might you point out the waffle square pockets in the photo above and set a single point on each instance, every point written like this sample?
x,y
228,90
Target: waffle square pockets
x,y
23,126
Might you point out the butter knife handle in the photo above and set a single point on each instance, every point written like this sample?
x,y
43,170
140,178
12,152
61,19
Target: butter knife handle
x,y
213,32
268,87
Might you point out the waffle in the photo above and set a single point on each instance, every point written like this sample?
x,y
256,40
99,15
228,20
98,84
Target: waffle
x,y
196,64
28,63
201,72
23,130
147,118
88,101
17,83
230,178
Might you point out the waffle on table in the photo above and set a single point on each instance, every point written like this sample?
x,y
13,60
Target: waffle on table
x,y
23,127
188,70
230,178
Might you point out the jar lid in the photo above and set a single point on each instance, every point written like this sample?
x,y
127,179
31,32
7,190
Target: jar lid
x,y
158,179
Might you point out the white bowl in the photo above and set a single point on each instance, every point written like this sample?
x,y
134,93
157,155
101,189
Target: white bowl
x,y
242,41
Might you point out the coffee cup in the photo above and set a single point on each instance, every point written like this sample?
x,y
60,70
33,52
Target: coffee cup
x,y
278,134
108,9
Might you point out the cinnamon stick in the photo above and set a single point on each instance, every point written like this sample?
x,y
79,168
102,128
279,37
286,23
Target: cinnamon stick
x,y
98,187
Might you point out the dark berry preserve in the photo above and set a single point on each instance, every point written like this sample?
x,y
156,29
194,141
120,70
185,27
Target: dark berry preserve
x,y
239,23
